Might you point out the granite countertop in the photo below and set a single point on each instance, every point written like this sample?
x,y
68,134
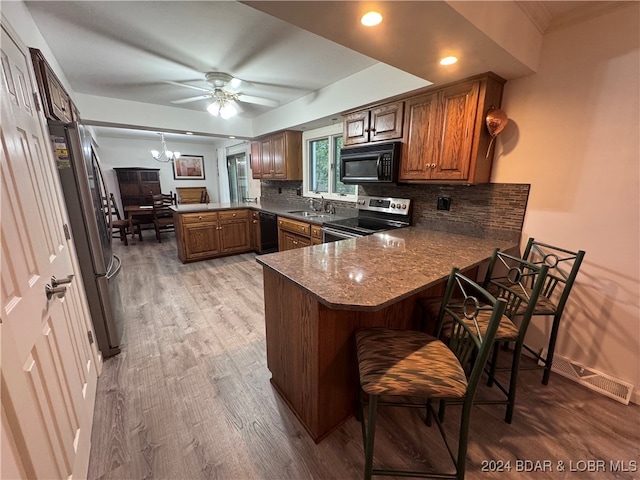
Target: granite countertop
x,y
372,272
318,219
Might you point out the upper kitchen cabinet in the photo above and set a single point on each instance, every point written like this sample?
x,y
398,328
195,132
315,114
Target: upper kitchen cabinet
x,y
374,124
446,139
277,156
55,99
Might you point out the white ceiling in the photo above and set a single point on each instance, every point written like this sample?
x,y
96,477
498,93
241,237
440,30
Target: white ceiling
x,y
127,50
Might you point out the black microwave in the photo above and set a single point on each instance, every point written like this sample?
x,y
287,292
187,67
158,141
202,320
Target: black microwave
x,y
374,163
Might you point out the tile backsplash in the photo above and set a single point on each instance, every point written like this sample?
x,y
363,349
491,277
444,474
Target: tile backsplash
x,y
489,210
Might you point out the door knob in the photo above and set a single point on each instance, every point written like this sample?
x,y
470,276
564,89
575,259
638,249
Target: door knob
x,y
55,282
51,291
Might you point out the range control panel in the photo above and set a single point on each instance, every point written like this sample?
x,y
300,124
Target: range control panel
x,y
399,206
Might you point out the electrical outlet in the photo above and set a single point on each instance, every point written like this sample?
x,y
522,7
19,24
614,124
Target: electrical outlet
x,y
279,189
299,191
444,203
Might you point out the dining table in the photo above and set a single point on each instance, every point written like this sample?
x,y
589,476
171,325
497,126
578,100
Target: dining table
x,y
132,211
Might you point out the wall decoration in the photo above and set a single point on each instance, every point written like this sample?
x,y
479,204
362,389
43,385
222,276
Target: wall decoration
x,y
189,167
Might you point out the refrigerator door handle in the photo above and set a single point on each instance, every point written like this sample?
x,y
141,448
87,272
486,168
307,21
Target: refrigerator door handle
x,y
113,272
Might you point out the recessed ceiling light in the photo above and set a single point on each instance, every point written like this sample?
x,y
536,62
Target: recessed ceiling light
x,y
448,60
232,136
189,133
371,19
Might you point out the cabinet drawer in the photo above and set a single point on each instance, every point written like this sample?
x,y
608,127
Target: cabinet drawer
x,y
199,217
233,214
316,231
294,226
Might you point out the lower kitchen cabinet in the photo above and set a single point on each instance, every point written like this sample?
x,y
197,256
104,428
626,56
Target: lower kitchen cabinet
x,y
212,234
293,234
316,234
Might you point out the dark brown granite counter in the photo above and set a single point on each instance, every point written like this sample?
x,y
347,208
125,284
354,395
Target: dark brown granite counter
x,y
372,272
317,297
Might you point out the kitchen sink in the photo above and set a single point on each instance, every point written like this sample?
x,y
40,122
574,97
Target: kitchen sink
x,y
306,213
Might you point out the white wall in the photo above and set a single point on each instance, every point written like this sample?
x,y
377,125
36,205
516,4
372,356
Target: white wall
x,y
130,152
574,135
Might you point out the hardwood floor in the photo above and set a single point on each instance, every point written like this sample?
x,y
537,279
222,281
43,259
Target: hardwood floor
x,y
189,397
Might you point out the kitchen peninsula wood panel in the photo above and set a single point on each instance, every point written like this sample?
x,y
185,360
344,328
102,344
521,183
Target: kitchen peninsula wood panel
x,y
317,297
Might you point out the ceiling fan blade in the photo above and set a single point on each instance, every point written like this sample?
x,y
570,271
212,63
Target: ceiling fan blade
x,y
191,99
200,89
258,100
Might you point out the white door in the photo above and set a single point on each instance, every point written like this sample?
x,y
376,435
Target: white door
x,y
49,367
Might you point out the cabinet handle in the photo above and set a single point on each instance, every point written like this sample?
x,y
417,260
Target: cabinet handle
x,y
199,217
433,165
295,242
302,228
234,214
255,221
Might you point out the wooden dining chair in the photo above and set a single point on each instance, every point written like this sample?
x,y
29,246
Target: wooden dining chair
x,y
405,368
120,227
163,214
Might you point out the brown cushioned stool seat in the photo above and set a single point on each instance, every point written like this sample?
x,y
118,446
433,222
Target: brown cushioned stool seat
x,y
405,362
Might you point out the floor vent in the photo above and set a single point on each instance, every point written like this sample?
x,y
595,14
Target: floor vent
x,y
592,379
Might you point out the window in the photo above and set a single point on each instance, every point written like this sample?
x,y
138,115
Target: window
x,y
321,158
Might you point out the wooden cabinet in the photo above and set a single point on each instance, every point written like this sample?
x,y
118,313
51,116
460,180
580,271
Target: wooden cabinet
x,y
204,235
234,231
278,156
316,234
254,228
380,123
138,185
445,138
293,234
55,100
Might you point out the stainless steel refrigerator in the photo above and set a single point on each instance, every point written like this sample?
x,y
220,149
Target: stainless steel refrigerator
x,y
84,188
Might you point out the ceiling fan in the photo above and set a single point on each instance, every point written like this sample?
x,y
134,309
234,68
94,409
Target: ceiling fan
x,y
224,92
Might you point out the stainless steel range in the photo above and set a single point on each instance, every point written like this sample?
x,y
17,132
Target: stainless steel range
x,y
375,214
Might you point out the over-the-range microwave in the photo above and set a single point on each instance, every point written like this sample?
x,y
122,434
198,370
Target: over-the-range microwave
x,y
373,163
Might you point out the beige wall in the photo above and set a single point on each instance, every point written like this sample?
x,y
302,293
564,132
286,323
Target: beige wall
x,y
574,135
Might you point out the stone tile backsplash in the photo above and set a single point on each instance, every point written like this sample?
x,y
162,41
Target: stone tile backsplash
x,y
489,210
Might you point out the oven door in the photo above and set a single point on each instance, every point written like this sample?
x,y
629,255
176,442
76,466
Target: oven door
x,y
333,235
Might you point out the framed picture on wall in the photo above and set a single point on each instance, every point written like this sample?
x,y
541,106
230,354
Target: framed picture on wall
x,y
189,167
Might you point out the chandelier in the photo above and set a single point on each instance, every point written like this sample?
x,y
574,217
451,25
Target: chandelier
x,y
165,155
222,104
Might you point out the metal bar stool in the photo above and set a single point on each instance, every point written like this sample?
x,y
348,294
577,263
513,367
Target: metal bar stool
x,y
406,363
563,270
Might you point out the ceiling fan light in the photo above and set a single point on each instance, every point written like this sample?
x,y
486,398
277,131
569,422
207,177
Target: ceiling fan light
x,y
214,109
176,155
228,111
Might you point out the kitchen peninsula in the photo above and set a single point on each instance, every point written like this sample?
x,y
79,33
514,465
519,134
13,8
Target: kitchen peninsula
x,y
316,297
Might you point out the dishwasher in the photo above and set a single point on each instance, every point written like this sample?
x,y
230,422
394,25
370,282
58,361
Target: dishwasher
x,y
268,232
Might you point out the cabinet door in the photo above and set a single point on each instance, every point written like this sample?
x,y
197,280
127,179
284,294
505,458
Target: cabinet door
x,y
291,241
201,240
234,235
256,160
457,112
278,156
58,97
149,186
420,136
356,128
386,122
267,158
256,244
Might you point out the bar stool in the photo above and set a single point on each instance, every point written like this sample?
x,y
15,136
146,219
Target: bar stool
x,y
405,363
519,283
563,270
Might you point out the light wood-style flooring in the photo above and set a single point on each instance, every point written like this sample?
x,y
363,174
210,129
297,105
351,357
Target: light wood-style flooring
x,y
189,397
